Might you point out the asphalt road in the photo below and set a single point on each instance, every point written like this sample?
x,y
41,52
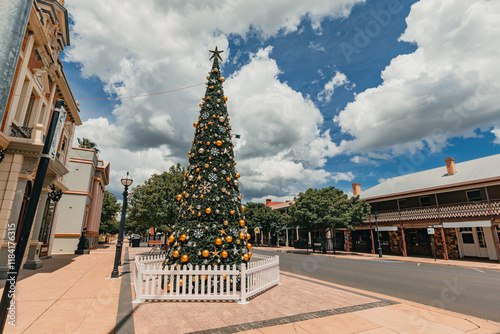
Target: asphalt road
x,y
465,290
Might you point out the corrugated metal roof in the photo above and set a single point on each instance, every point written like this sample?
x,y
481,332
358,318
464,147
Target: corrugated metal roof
x,y
467,171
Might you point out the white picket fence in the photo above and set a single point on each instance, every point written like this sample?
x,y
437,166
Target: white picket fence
x,y
152,282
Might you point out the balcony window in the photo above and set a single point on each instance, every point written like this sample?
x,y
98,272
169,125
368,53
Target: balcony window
x,y
474,196
402,203
425,201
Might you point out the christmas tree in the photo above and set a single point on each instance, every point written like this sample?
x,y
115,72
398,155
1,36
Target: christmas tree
x,y
211,228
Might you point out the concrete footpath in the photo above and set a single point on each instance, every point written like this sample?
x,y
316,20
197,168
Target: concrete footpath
x,y
75,294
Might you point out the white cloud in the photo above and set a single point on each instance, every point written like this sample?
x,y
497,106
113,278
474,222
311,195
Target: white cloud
x,y
158,46
447,88
340,79
316,47
496,132
360,160
342,176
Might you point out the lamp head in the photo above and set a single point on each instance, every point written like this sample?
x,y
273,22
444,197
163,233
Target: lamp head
x,y
127,180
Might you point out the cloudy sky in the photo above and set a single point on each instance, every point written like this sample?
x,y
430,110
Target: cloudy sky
x,y
323,92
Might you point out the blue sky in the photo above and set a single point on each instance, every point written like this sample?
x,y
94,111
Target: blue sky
x,y
329,93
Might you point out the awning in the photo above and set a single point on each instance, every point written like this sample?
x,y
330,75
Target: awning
x,y
481,223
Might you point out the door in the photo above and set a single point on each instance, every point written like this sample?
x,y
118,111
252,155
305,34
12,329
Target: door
x,y
468,241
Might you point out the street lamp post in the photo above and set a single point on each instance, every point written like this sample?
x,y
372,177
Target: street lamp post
x,y
127,182
378,236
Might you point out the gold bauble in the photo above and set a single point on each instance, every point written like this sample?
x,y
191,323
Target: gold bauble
x,y
190,177
242,223
205,253
242,235
176,253
218,241
221,119
171,239
184,258
219,143
208,210
208,143
226,222
179,197
228,179
224,255
195,124
236,182
197,170
231,212
238,241
250,254
249,246
248,236
238,175
242,208
199,214
225,98
229,238
183,237
221,79
245,257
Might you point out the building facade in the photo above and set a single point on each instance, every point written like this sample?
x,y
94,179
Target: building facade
x,y
453,210
81,205
38,81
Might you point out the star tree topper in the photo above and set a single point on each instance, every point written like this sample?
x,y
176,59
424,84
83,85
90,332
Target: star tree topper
x,y
216,53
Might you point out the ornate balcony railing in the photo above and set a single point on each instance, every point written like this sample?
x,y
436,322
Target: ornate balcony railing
x,y
20,131
461,210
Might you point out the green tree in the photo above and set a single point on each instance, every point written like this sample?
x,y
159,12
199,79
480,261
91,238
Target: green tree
x,y
327,208
260,215
110,209
211,226
154,203
87,143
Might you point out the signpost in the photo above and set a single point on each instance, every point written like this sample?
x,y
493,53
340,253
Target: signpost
x,y
430,231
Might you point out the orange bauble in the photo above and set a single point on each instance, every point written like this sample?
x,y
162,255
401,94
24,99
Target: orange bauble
x,y
208,210
195,124
176,253
218,241
242,235
183,237
245,257
184,258
171,239
205,253
225,98
242,208
248,236
238,175
250,254
229,238
224,254
179,197
231,212
249,246
242,223
218,142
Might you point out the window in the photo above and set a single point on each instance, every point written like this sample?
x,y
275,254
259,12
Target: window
x,y
467,236
402,203
474,196
29,111
480,237
425,201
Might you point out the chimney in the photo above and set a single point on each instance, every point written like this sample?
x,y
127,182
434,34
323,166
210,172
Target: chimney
x,y
356,189
450,166
268,200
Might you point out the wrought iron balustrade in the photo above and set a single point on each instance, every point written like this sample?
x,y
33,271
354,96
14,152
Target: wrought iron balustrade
x,y
20,131
459,210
